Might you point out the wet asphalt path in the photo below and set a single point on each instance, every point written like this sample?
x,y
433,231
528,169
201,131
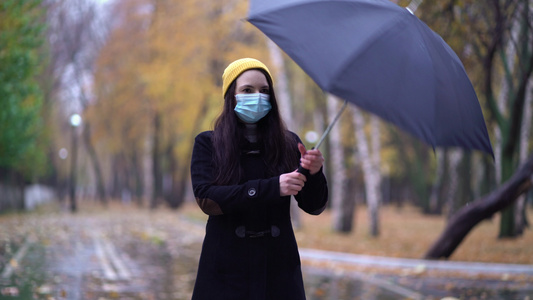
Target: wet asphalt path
x,y
127,253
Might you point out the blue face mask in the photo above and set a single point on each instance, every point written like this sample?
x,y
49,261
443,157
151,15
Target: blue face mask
x,y
251,108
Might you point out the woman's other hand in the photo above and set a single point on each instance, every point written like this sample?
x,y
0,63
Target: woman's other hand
x,y
311,160
291,183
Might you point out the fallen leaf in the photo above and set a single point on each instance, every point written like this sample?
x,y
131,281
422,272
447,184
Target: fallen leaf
x,y
44,290
14,263
10,291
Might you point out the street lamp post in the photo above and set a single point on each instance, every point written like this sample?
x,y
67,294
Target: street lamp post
x,y
75,121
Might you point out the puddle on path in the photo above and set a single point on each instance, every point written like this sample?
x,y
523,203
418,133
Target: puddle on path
x,y
26,278
320,287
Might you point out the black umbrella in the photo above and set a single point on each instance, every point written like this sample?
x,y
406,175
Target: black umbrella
x,y
382,58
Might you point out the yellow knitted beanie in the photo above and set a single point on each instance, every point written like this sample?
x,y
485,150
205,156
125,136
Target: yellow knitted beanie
x,y
236,68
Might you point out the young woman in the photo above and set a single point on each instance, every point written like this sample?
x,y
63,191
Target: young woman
x,y
243,175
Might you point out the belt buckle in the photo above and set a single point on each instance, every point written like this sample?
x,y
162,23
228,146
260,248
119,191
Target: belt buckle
x,y
257,234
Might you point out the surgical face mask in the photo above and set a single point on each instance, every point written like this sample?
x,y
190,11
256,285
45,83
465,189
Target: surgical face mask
x,y
251,108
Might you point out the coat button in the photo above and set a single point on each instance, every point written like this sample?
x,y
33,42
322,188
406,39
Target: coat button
x,y
240,231
274,230
252,192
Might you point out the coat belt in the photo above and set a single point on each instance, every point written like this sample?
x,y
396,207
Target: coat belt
x,y
241,232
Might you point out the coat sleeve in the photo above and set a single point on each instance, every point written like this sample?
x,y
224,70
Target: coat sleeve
x,y
217,200
313,198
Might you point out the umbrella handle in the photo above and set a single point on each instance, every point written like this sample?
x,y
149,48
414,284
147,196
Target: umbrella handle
x,y
303,170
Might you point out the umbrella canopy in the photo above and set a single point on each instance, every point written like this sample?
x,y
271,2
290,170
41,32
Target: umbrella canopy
x,y
382,58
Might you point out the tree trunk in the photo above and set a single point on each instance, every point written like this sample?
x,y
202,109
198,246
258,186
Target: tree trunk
x,y
504,161
469,216
20,184
125,179
157,191
171,193
341,218
479,175
114,191
285,108
183,182
521,221
498,154
434,202
507,218
299,97
417,172
454,159
138,184
282,90
370,166
73,170
100,186
376,177
465,183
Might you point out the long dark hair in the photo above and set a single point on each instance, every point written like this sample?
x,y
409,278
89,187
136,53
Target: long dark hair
x,y
279,145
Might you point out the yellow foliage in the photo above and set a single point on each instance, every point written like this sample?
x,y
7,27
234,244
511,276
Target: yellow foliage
x,y
166,58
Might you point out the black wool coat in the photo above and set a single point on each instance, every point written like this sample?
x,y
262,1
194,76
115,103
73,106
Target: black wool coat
x,y
249,251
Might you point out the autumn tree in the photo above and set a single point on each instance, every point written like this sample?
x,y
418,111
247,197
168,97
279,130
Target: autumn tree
x,y
76,33
511,22
498,36
159,82
22,151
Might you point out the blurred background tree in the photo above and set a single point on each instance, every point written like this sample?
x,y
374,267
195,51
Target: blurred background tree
x,y
494,41
23,139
